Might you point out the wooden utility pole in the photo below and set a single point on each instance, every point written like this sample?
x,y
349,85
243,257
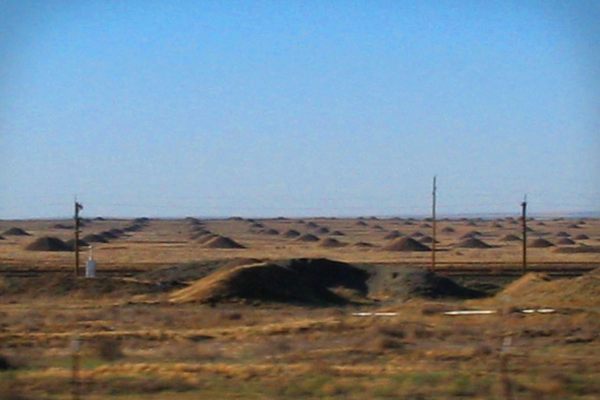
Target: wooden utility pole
x,y
434,222
524,224
78,207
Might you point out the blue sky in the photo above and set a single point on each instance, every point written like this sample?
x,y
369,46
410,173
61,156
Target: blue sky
x,y
268,108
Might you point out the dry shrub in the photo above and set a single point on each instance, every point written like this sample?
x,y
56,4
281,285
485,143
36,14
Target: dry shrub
x,y
108,349
383,343
6,364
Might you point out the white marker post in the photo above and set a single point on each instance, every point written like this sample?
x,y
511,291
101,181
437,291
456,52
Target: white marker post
x,y
90,266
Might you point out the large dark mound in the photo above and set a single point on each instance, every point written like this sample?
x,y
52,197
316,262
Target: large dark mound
x,y
48,243
2,237
406,244
473,243
540,243
322,230
14,231
337,233
563,234
294,281
331,242
307,237
222,242
448,229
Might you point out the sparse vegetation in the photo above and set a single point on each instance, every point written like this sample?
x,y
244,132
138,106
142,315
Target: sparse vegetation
x,y
137,344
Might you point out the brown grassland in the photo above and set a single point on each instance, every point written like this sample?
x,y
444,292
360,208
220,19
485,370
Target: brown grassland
x,y
136,342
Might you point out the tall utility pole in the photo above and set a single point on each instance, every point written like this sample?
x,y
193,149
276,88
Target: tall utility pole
x,y
78,207
524,224
433,219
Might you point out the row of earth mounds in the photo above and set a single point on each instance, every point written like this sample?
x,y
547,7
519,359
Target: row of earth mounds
x,y
50,243
317,282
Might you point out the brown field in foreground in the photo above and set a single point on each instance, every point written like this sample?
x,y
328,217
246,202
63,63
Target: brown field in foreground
x,y
171,316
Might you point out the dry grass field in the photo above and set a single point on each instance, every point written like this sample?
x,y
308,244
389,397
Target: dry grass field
x,y
174,315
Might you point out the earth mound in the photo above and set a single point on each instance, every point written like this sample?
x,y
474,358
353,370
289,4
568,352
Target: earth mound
x,y
222,242
291,233
563,234
510,238
108,235
71,244
581,236
331,243
473,243
192,271
448,229
406,244
48,243
364,244
540,290
427,239
417,234
62,226
2,237
565,241
471,234
337,233
14,231
393,235
322,230
270,231
307,281
404,283
540,243
307,237
93,238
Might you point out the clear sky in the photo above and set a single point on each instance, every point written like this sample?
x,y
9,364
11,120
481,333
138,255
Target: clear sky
x,y
268,108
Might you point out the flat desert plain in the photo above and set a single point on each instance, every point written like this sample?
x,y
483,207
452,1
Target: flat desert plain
x,y
328,308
